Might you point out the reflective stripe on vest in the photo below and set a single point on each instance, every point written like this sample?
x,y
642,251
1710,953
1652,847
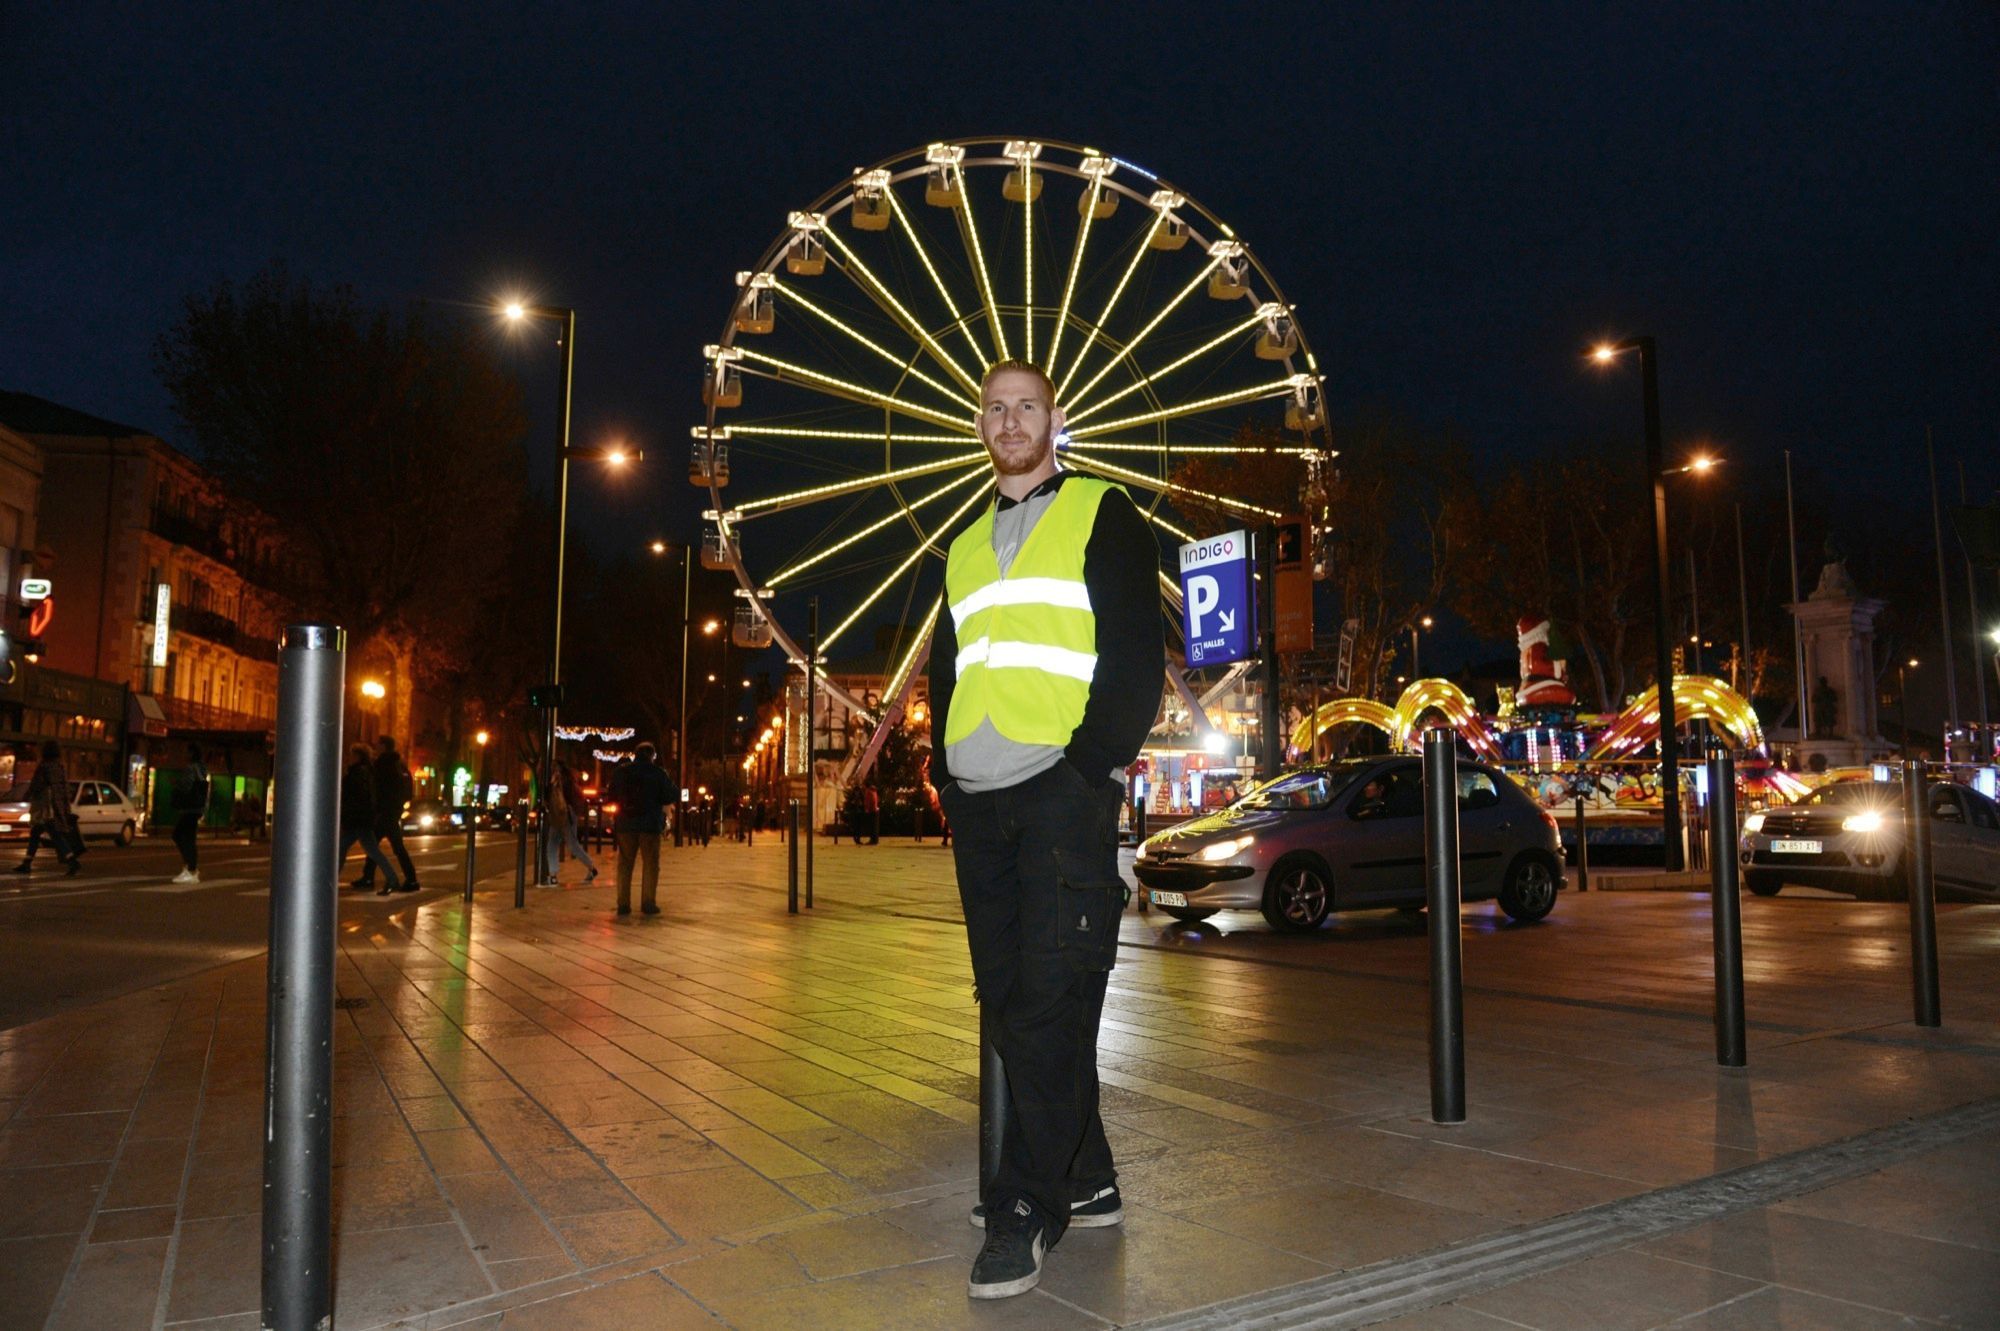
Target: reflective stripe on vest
x,y
1027,640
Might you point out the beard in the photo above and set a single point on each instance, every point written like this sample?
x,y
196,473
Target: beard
x,y
1019,459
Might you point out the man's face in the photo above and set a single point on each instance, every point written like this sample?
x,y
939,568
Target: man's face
x,y
1017,422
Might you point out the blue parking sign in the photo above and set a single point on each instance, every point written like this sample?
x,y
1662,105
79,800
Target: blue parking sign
x,y
1218,613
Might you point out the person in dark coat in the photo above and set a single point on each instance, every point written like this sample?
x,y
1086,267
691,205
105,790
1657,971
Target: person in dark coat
x,y
49,816
393,791
642,792
357,816
190,802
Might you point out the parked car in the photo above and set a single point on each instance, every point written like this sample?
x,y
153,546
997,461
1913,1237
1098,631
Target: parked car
x,y
101,810
486,817
424,816
1350,835
1848,837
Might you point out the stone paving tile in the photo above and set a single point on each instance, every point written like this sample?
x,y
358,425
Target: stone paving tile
x,y
68,1139
144,1222
1620,1291
713,1203
641,1301
55,1199
31,1275
1952,1195
387,1274
115,1285
1774,1308
217,1268
1853,1263
911,1298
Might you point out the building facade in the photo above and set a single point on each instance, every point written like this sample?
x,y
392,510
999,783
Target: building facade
x,y
165,586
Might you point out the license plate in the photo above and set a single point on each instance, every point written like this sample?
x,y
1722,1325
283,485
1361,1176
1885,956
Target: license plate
x,y
1782,847
1169,899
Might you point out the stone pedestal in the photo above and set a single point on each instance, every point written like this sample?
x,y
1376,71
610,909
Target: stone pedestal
x,y
1837,625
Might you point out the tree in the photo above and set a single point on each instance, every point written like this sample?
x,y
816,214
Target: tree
x,y
386,446
1565,536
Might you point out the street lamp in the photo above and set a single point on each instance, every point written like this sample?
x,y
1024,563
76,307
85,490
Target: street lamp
x,y
1417,670
660,547
1663,663
1903,701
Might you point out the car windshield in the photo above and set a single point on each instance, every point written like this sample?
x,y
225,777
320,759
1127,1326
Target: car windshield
x,y
1854,792
1312,789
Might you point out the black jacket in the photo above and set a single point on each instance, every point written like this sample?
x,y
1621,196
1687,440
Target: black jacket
x,y
357,798
642,791
392,789
1121,567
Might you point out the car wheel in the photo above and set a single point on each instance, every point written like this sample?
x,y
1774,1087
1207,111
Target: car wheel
x,y
1763,884
1530,890
1187,914
1297,896
127,832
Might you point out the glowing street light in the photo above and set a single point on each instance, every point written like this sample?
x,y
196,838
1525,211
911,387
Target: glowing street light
x,y
709,628
1903,701
372,688
481,739
1663,664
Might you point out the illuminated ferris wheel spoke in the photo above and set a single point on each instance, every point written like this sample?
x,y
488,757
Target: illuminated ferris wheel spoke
x,y
923,253
924,547
886,301
800,299
833,491
1075,266
858,436
898,515
1195,408
826,383
1126,351
1028,257
969,233
1168,528
1104,315
1155,446
1149,380
901,677
1160,486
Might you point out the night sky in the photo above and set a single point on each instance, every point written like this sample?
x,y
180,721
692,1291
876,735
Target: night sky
x,y
1798,201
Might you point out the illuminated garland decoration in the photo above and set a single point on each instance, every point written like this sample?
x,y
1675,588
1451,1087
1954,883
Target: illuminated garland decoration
x,y
610,734
611,755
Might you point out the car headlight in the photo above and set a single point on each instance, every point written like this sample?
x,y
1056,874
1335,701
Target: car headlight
x,y
1871,821
425,820
1222,850
1753,824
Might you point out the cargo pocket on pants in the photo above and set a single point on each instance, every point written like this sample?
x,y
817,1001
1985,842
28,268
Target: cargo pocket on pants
x,y
1088,905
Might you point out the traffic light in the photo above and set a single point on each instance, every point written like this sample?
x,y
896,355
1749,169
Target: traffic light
x,y
25,642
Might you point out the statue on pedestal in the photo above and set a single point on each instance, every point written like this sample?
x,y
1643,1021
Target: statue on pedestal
x,y
1825,708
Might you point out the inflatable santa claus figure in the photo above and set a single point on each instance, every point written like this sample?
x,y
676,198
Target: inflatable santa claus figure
x,y
1543,681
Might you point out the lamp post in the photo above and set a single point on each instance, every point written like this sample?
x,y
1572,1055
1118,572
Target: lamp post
x,y
660,547
1663,660
1903,701
1416,670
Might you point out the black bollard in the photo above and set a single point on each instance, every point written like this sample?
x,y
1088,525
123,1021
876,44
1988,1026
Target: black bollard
x,y
1582,849
471,851
1923,894
1725,910
792,860
520,854
298,1059
919,810
995,1108
808,820
1441,882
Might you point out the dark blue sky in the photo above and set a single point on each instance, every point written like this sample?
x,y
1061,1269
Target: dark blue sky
x,y
1797,200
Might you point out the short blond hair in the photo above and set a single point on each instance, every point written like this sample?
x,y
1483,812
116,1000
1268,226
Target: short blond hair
x,y
1019,367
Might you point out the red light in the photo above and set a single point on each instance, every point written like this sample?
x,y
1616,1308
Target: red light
x,y
1550,819
611,808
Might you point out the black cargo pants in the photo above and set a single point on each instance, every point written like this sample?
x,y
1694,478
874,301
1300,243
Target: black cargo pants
x,y
1038,877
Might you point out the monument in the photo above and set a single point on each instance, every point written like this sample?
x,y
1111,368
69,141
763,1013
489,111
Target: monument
x,y
1837,625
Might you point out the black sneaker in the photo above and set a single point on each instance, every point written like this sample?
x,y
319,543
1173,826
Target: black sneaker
x,y
1011,1261
1101,1210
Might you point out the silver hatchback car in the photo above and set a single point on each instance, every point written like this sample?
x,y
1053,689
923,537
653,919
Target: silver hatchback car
x,y
1350,835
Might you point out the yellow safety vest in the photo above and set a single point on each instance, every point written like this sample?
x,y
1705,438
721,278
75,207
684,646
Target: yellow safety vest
x,y
1027,641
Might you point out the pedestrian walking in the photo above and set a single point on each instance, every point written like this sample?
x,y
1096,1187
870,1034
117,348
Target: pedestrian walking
x,y
357,817
871,809
566,799
1046,676
49,815
393,792
642,791
189,802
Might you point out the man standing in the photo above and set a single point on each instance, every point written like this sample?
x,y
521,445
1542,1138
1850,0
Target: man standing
x,y
190,802
393,790
1046,676
642,792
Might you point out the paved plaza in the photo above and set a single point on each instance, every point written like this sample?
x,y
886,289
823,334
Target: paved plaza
x,y
732,1117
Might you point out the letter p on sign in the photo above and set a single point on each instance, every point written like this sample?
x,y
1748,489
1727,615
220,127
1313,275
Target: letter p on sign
x,y
1203,591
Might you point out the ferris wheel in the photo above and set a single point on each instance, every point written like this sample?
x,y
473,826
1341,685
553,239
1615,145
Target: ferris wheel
x,y
838,445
